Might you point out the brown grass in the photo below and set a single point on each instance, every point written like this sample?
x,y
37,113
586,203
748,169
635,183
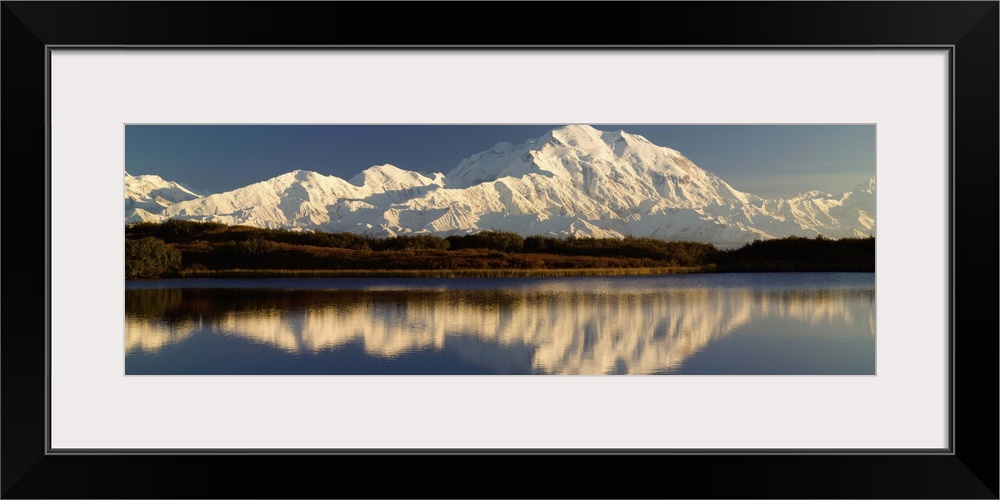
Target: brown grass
x,y
437,273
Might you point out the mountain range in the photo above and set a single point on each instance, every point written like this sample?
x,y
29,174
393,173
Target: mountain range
x,y
573,181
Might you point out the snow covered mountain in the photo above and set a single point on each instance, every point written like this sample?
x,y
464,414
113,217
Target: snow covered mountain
x,y
146,196
572,181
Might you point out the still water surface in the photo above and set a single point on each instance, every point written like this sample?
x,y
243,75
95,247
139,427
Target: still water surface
x,y
723,324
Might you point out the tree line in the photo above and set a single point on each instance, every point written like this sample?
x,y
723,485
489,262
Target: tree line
x,y
159,249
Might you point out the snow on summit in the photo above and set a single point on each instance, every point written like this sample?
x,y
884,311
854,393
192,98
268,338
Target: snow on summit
x,y
572,181
148,195
383,178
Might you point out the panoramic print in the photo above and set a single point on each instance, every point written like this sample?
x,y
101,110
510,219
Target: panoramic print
x,y
579,249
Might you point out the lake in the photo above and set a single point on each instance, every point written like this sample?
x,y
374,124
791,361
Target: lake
x,y
695,324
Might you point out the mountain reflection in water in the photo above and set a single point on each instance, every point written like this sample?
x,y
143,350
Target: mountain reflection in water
x,y
548,330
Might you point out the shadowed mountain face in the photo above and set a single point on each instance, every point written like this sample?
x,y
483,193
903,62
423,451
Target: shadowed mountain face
x,y
548,329
572,181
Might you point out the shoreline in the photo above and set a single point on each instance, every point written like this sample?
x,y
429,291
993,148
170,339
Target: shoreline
x,y
441,273
502,273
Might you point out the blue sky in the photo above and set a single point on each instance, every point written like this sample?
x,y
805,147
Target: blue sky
x,y
767,160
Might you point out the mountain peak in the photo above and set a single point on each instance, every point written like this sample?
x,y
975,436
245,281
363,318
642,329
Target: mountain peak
x,y
575,137
379,173
569,130
148,195
385,167
573,180
298,175
390,177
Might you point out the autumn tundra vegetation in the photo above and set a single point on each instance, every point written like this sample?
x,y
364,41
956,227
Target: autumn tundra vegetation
x,y
181,248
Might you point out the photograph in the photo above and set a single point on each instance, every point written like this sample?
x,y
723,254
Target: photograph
x,y
549,249
337,217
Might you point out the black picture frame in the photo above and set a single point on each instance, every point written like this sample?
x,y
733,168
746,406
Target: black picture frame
x,y
970,29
